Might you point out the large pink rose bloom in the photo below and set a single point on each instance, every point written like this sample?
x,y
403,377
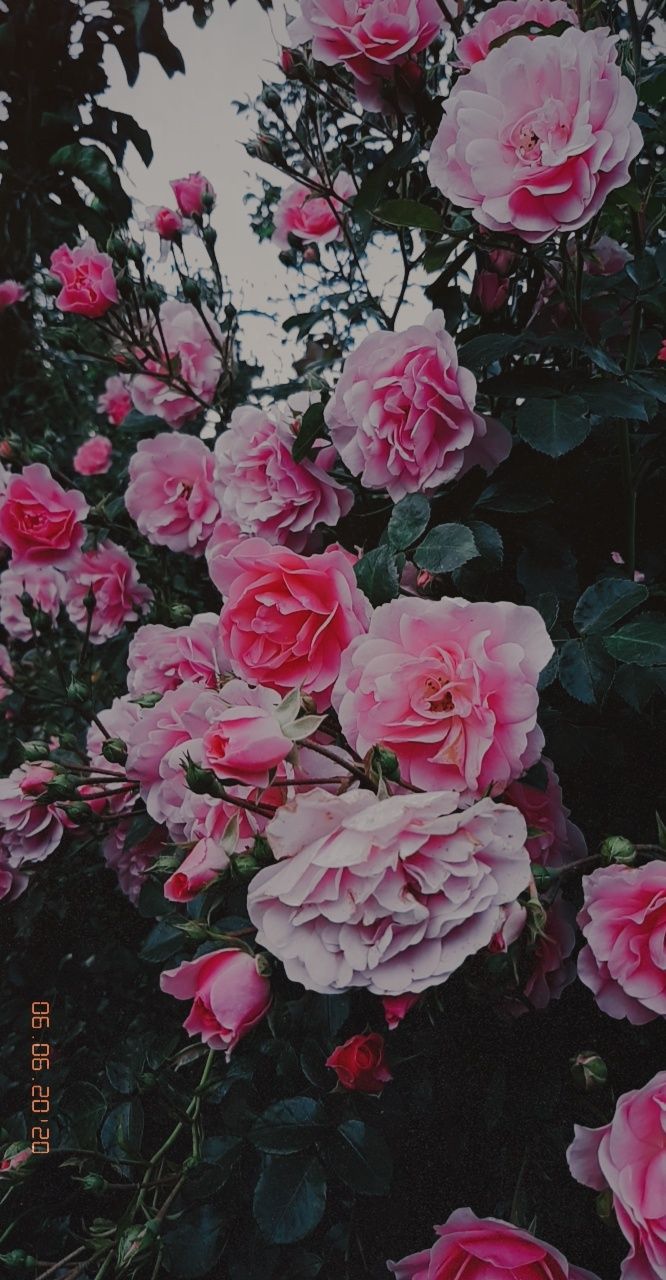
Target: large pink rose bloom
x,y
557,840
31,828
392,895
195,357
263,491
43,584
161,658
536,135
287,619
371,38
86,275
170,494
230,996
505,17
302,213
623,919
41,522
132,861
402,416
112,576
627,1156
471,1248
115,400
450,687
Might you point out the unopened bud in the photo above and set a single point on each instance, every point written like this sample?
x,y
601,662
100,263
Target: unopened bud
x,y
93,1182
201,781
35,751
191,290
148,700
287,62
387,761
423,579
311,253
604,1205
245,866
17,1260
209,236
208,201
114,750
134,251
618,849
588,1070
537,918
180,614
79,812
271,98
77,691
58,788
117,247
543,878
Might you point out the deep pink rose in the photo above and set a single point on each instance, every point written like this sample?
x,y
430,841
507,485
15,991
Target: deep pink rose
x,y
132,862
450,687
201,866
230,996
87,279
112,577
359,1063
115,400
168,223
93,457
31,828
396,1008
223,541
303,213
170,494
661,354
40,521
11,292
287,619
195,366
471,1248
536,135
627,1157
161,658
244,744
263,491
507,16
392,895
192,194
623,919
489,292
402,415
558,841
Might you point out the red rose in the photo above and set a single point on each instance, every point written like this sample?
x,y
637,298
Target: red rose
x,y
359,1064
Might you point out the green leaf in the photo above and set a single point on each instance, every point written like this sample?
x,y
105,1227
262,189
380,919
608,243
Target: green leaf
x,y
193,1245
661,832
377,575
408,520
409,213
122,1131
446,548
605,602
437,255
642,641
489,542
585,670
288,1126
554,427
507,497
81,1108
361,1158
311,428
609,399
290,1197
487,348
92,166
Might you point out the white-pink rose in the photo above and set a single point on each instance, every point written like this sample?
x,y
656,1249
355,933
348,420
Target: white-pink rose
x,y
111,575
505,17
623,920
229,994
195,362
43,584
31,827
201,866
170,494
309,216
161,658
115,400
93,457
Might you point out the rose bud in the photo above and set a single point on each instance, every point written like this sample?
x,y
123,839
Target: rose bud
x,y
359,1064
588,1070
489,292
618,849
230,996
201,866
168,224
502,261
397,1007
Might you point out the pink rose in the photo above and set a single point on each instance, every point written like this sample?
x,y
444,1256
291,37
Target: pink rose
x,y
87,279
115,400
450,687
392,895
93,457
489,291
661,354
11,292
31,827
131,862
505,17
161,658
558,841
303,213
112,577
263,491
244,744
223,541
623,919
230,996
6,670
402,415
117,720
528,155
627,1157
359,1064
288,619
396,1008
510,924
201,866
170,494
12,882
486,1249
15,1160
168,223
195,367
552,969
41,522
371,38
194,194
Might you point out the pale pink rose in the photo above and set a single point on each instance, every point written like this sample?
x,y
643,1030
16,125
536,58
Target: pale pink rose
x,y
93,457
263,491
115,400
201,866
536,135
170,494
161,658
41,522
31,828
486,1249
244,744
86,275
627,1157
510,924
392,895
230,996
552,969
12,882
450,687
11,292
224,539
606,257
623,920
15,1160
192,194
132,862
396,1008
402,415
287,619
505,17
168,223
6,670
371,38
195,363
112,577
558,841
303,213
